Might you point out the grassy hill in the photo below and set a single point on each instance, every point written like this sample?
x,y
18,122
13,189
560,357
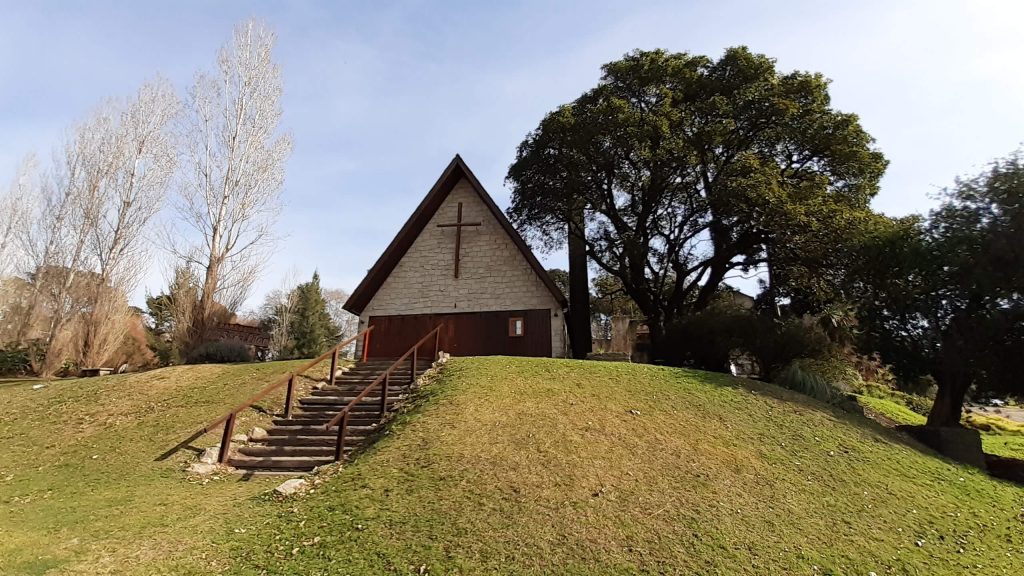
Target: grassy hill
x,y
80,491
506,466
519,466
1006,439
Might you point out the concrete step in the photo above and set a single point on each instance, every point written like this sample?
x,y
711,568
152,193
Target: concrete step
x,y
370,378
277,451
424,357
321,419
315,430
342,401
329,392
334,408
299,440
404,366
301,443
364,381
297,463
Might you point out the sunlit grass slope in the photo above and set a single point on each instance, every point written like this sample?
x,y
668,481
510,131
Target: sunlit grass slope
x,y
80,491
535,466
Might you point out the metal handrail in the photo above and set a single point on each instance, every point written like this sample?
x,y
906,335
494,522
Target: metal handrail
x,y
228,420
341,419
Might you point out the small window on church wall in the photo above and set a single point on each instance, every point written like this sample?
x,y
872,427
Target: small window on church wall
x,y
516,327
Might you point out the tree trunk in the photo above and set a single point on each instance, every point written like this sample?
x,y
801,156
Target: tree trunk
x,y
707,292
770,294
580,338
952,372
949,401
202,320
656,332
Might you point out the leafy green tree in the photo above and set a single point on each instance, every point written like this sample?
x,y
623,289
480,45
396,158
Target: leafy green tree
x,y
548,207
608,298
170,317
688,168
560,278
310,326
945,296
159,328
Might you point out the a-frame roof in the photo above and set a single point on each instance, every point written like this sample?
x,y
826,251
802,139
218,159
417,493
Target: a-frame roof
x,y
456,171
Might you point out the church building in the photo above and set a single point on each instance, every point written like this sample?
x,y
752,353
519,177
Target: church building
x,y
458,261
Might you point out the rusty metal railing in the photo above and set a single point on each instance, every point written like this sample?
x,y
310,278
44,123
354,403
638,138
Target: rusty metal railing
x,y
384,380
228,420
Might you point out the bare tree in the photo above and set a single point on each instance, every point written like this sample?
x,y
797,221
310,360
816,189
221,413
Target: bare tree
x,y
84,235
16,297
347,323
171,312
276,314
14,205
14,293
140,165
233,172
343,319
56,237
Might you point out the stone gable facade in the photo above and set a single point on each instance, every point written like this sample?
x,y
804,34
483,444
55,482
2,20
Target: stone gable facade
x,y
493,273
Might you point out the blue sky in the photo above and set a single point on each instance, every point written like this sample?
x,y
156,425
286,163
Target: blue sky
x,y
380,95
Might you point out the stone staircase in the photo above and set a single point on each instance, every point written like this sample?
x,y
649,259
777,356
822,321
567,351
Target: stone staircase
x,y
301,443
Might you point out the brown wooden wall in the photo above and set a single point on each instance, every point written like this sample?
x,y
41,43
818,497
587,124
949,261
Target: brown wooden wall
x,y
464,333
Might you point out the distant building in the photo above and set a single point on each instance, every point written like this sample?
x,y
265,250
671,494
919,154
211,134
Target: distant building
x,y
252,336
633,337
738,299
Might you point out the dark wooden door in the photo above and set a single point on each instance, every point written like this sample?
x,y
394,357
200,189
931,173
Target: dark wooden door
x,y
464,333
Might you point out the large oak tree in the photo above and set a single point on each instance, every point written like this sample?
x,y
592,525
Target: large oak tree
x,y
687,169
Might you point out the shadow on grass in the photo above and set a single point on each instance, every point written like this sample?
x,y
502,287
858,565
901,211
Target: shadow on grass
x,y
1004,467
186,443
183,445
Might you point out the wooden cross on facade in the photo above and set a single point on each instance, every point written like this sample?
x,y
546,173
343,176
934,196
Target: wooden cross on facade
x,y
458,225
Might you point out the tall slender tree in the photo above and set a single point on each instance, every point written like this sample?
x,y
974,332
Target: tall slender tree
x,y
548,206
347,323
276,313
141,162
233,158
14,206
83,238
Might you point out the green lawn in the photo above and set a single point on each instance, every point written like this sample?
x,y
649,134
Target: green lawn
x,y
531,466
1003,437
894,411
1003,445
506,466
80,491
